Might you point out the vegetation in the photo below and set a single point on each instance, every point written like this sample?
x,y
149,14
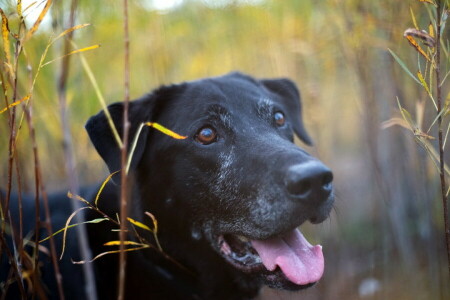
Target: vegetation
x,y
349,59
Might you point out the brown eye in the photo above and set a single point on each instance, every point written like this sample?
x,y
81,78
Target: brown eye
x,y
279,119
206,136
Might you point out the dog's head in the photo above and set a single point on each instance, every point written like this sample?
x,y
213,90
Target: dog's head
x,y
238,183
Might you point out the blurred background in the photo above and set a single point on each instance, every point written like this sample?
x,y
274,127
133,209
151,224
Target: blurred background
x,y
385,238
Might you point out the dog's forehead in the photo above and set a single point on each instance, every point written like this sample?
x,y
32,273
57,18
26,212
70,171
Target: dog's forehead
x,y
229,92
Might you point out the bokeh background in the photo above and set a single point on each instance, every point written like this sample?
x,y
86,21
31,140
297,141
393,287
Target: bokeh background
x,y
385,238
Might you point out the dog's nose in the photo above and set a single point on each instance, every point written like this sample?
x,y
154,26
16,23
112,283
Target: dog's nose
x,y
309,181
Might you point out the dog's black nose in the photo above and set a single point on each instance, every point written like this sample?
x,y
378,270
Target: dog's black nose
x,y
309,181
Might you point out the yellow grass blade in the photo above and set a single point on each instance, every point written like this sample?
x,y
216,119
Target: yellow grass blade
x,y
19,8
133,146
425,85
428,1
77,197
72,52
139,224
431,30
117,243
95,221
110,252
417,132
71,29
67,226
101,99
29,6
155,230
5,37
165,130
413,18
434,155
15,103
39,20
155,222
419,49
103,186
138,133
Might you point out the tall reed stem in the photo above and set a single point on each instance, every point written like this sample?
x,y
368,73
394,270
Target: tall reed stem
x,y
83,243
439,12
124,177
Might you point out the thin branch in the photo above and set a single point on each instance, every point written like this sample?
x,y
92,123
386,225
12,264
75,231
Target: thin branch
x,y
124,176
40,188
439,10
83,243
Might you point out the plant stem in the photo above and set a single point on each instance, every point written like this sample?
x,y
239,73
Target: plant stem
x,y
83,243
124,177
40,190
441,144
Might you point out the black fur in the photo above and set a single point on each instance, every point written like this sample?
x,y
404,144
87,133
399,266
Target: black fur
x,y
236,185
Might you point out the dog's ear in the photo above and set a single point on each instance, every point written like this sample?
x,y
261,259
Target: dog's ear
x,y
289,96
101,134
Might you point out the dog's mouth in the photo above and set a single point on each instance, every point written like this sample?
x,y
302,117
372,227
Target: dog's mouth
x,y
286,261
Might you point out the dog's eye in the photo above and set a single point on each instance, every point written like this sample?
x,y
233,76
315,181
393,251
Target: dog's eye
x,y
279,119
206,135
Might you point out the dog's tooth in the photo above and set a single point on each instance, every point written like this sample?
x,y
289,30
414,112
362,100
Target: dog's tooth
x,y
225,248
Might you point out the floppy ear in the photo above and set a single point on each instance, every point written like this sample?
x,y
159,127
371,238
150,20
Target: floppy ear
x,y
289,97
102,136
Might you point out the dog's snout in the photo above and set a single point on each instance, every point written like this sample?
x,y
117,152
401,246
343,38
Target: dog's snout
x,y
311,181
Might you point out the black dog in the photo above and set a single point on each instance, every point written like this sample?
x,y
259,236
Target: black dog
x,y
228,199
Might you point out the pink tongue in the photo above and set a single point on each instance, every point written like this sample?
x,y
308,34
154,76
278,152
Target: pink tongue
x,y
300,262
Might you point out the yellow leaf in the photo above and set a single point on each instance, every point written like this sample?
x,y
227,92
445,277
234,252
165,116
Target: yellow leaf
x,y
139,224
155,230
110,252
419,133
103,186
165,130
413,18
100,97
117,243
95,221
5,37
71,30
155,222
431,30
19,8
39,20
67,226
428,1
77,197
72,52
423,82
29,6
419,49
15,103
